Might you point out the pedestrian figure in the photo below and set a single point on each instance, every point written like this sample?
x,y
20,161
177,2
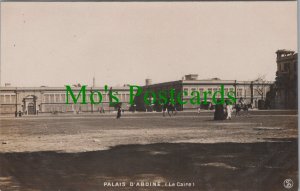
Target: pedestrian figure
x,y
164,108
246,109
237,109
210,106
241,105
119,112
242,102
174,109
228,110
20,114
219,112
171,108
16,114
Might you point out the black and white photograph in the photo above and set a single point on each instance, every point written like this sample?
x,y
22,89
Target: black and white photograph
x,y
148,96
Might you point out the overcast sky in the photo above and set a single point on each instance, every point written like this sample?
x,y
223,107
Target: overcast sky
x,y
55,44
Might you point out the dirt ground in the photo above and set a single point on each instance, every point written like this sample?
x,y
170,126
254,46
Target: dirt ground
x,y
83,152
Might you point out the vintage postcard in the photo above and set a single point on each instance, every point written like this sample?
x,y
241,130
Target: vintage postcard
x,y
148,96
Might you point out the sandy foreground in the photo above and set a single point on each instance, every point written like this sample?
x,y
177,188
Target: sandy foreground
x,y
91,133
183,152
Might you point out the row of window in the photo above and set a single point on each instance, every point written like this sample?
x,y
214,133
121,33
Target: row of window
x,y
212,90
123,97
61,98
8,99
70,108
239,91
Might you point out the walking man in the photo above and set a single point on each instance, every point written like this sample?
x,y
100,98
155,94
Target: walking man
x,y
119,112
228,110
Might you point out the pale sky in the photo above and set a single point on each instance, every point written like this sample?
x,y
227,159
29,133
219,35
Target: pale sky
x,y
55,44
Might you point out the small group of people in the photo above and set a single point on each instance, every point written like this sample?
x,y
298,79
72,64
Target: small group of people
x,y
241,105
225,111
221,113
101,110
169,107
18,114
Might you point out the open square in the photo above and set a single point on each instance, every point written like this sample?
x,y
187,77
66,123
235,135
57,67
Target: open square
x,y
257,151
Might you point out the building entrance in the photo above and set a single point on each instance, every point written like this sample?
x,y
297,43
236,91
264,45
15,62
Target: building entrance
x,y
30,105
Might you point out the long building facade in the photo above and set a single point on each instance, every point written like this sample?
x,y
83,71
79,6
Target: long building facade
x,y
251,91
281,94
32,101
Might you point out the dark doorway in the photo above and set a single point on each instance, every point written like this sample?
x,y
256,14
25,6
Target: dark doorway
x,y
30,105
31,109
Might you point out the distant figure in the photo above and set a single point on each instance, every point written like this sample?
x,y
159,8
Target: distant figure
x,y
241,105
210,106
238,108
164,108
241,102
20,114
171,108
250,105
219,112
16,114
199,109
228,110
119,112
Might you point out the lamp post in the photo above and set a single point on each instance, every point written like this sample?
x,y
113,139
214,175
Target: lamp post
x,y
235,91
16,102
251,89
91,94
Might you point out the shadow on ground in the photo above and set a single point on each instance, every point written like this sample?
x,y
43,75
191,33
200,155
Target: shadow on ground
x,y
223,166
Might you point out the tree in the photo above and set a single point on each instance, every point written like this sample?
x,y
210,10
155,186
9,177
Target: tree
x,y
259,85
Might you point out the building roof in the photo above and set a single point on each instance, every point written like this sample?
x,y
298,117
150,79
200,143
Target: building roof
x,y
45,88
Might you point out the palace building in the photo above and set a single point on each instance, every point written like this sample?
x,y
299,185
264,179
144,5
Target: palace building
x,y
32,101
37,100
259,93
250,91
